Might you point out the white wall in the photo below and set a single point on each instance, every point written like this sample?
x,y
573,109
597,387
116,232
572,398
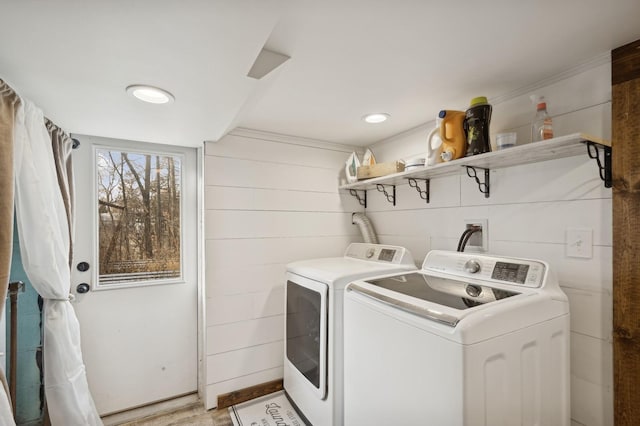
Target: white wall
x,y
269,200
528,213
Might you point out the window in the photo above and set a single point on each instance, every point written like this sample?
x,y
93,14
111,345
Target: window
x,y
139,215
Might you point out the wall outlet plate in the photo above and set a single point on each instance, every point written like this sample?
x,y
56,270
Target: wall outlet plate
x,y
579,242
479,241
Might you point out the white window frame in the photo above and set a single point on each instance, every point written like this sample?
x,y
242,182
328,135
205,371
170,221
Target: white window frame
x,y
96,221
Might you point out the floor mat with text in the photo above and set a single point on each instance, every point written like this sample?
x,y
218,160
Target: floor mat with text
x,y
269,410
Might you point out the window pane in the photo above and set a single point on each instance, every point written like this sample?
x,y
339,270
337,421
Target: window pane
x,y
139,217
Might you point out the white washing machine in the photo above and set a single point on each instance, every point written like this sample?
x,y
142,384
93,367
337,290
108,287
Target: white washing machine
x,y
313,357
468,340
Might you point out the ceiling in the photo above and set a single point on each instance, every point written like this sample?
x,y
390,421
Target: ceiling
x,y
348,57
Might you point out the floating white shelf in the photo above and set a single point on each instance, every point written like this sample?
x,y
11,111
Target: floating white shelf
x,y
551,149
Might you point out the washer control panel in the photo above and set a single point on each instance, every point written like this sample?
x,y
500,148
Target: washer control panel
x,y
505,270
512,272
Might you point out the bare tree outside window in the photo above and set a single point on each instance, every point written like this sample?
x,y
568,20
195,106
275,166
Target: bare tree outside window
x,y
139,217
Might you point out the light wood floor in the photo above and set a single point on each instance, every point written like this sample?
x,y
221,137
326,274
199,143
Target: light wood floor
x,y
194,414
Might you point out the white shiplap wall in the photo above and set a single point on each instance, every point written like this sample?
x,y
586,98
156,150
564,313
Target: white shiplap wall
x,y
269,200
528,213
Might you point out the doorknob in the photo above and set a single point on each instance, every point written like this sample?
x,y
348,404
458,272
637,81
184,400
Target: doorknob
x,y
83,288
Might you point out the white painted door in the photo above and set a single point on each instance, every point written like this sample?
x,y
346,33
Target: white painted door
x,y
136,227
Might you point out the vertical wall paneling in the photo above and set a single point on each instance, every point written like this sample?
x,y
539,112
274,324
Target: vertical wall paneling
x,y
529,212
269,200
28,382
626,242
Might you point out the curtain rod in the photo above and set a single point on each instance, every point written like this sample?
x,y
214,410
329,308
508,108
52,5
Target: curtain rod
x,y
48,122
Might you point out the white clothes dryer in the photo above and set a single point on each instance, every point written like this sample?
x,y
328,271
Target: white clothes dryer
x,y
313,357
469,340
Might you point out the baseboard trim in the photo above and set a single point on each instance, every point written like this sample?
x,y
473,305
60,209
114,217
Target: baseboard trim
x,y
246,394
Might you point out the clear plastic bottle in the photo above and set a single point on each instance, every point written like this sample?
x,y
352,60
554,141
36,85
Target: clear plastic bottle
x,y
542,126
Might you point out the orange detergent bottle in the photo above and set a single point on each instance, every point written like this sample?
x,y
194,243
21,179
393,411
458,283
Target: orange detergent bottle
x,y
454,140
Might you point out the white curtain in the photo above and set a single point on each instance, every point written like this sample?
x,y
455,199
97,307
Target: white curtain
x,y
6,413
44,246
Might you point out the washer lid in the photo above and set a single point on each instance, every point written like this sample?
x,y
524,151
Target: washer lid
x,y
454,294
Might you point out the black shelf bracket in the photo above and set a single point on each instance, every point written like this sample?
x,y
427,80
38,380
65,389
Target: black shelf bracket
x,y
482,186
390,197
605,171
361,199
413,182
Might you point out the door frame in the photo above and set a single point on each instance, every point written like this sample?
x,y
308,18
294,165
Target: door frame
x,y
625,112
200,274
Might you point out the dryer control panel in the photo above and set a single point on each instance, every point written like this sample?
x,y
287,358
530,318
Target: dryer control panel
x,y
505,270
379,253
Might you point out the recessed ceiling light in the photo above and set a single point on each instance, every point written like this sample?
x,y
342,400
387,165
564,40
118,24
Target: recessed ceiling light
x,y
150,94
375,118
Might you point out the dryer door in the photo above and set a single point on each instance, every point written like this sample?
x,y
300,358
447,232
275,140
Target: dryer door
x,y
306,331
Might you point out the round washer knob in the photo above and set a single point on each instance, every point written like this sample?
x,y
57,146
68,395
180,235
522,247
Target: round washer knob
x,y
472,266
370,253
